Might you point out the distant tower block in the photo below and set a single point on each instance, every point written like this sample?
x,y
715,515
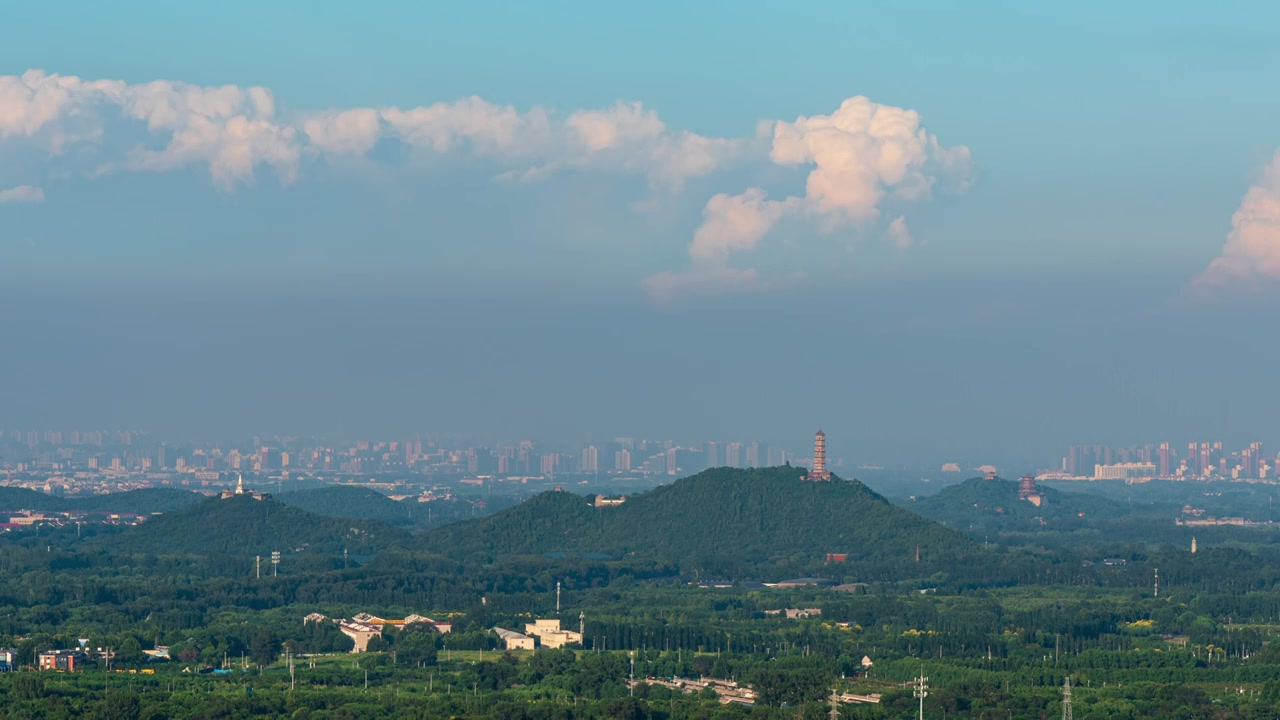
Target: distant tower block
x,y
819,472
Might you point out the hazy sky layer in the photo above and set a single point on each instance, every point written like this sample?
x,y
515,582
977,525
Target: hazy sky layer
x,y
968,230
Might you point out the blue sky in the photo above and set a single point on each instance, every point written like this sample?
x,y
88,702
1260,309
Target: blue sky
x,y
1093,148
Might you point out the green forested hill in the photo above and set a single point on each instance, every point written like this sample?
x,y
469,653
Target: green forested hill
x,y
145,501
244,526
12,498
719,521
979,504
347,501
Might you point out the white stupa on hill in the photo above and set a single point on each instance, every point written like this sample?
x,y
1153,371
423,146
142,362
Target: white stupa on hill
x,y
240,490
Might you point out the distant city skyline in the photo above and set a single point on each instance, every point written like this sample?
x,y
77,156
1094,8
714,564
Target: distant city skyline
x,y
649,456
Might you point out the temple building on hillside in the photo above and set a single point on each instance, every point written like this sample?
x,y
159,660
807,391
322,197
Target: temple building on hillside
x,y
228,494
819,472
1027,490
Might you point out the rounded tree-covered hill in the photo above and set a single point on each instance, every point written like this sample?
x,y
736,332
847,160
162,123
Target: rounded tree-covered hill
x,y
242,525
349,501
981,505
722,518
141,502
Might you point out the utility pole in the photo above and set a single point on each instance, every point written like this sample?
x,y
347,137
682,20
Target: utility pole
x,y
835,705
557,598
1066,699
922,691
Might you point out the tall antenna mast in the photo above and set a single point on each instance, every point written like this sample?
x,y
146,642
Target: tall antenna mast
x,y
1066,699
557,598
257,566
922,690
582,623
1157,582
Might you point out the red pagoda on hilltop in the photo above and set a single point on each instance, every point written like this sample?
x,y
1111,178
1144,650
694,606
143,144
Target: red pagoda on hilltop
x,y
819,472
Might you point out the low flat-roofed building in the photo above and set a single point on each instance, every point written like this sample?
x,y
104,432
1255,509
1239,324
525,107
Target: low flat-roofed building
x,y
801,613
360,634
550,635
851,587
61,660
801,582
515,640
28,518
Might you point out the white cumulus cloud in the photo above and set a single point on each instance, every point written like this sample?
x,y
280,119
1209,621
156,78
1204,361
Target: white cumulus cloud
x,y
899,234
22,194
1252,251
735,222
857,156
854,159
230,130
346,132
626,138
233,131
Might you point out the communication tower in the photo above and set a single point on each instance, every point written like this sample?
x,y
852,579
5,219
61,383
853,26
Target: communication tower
x,y
922,691
1066,699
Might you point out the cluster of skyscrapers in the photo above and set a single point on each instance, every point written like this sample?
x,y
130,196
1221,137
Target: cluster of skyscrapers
x,y
1165,460
623,455
131,453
